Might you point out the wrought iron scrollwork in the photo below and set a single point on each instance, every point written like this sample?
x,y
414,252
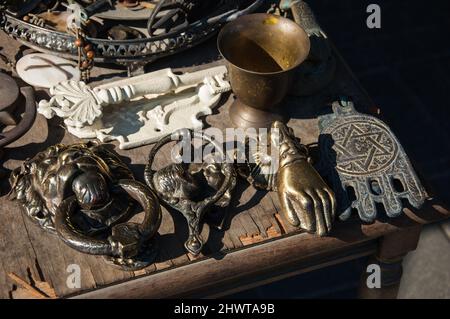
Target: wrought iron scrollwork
x,y
118,51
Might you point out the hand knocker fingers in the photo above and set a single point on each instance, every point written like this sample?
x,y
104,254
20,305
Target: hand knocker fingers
x,y
333,202
321,229
304,207
289,210
326,203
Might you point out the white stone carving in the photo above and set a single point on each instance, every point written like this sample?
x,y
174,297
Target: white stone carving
x,y
138,110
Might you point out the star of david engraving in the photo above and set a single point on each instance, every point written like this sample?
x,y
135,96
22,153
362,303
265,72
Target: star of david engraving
x,y
362,149
361,156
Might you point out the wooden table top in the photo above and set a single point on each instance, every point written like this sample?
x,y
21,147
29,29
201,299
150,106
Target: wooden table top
x,y
257,240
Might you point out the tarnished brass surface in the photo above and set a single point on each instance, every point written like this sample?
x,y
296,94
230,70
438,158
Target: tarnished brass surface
x,y
262,50
306,200
192,188
84,193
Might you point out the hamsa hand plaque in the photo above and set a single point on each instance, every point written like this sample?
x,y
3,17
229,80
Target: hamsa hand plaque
x,y
366,164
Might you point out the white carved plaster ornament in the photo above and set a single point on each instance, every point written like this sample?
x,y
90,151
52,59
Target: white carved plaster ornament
x,y
138,110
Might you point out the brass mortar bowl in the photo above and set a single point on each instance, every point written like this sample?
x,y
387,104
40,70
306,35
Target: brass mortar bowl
x,y
262,50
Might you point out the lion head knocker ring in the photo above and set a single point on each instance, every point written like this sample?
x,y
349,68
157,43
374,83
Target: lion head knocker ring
x,y
85,194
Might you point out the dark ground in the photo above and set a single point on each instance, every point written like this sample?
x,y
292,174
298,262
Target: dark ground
x,y
405,67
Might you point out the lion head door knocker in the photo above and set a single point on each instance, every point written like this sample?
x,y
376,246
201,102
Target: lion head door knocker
x,y
367,164
85,194
192,188
306,200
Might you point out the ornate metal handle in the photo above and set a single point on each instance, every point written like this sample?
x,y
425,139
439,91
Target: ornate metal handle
x,y
127,245
177,136
27,120
192,211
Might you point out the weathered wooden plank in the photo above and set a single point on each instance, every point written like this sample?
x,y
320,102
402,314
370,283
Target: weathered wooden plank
x,y
163,260
54,257
34,289
236,230
301,248
17,254
269,211
253,197
228,242
17,250
241,264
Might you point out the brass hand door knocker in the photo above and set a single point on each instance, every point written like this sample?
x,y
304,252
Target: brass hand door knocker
x,y
85,194
306,200
192,188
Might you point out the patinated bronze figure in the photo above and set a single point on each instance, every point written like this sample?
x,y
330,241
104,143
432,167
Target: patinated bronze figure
x,y
85,193
306,200
192,188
